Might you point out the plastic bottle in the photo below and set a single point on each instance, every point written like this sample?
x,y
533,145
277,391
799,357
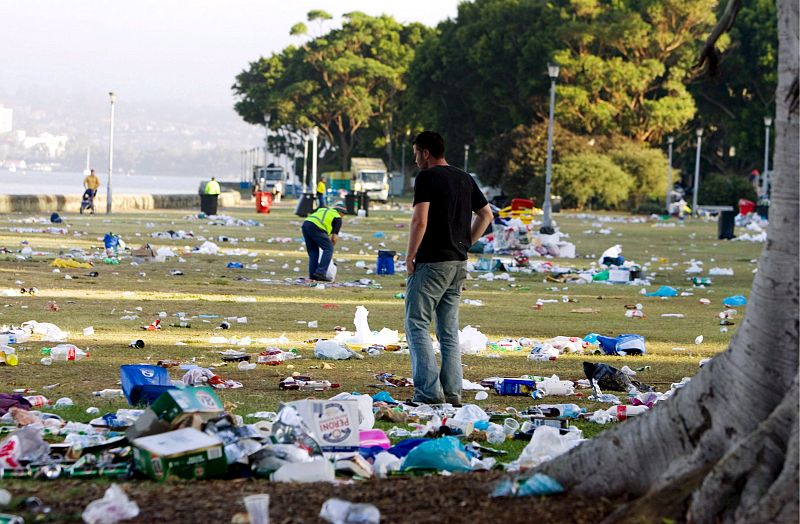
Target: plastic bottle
x,y
109,393
622,412
561,410
12,338
66,352
181,324
37,401
317,385
271,357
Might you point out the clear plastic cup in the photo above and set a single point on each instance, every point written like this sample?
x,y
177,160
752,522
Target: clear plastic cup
x,y
257,508
510,426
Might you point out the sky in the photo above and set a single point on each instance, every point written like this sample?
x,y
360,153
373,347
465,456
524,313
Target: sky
x,y
163,50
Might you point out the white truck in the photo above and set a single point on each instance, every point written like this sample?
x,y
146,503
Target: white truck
x,y
370,175
269,178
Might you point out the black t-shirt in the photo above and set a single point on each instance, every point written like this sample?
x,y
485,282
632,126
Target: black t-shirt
x,y
453,196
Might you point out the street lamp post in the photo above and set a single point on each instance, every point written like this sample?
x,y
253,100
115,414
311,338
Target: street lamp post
x,y
314,135
547,226
670,140
765,175
403,159
113,98
305,164
696,187
466,158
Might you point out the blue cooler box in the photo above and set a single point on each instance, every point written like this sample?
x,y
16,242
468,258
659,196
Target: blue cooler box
x,y
385,262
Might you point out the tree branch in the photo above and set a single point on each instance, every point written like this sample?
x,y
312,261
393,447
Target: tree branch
x,y
719,106
709,56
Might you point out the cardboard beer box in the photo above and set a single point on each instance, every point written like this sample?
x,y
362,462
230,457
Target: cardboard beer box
x,y
514,386
334,423
186,453
173,407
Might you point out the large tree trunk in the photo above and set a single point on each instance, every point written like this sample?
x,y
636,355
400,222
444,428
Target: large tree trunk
x,y
725,448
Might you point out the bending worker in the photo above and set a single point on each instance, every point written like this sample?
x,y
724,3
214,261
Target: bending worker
x,y
320,231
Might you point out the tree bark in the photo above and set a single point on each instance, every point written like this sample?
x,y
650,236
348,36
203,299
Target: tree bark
x,y
725,447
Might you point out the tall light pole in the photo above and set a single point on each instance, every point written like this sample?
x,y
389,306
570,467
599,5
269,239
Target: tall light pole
x,y
765,175
466,158
305,164
113,98
547,226
696,187
266,139
314,135
670,140
242,168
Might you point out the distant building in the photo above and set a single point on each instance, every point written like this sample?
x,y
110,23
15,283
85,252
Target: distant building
x,y
6,115
56,145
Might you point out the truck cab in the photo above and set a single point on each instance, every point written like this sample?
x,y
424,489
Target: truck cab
x,y
371,176
269,178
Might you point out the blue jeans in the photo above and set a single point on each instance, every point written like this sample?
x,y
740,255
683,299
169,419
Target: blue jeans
x,y
321,198
317,240
435,289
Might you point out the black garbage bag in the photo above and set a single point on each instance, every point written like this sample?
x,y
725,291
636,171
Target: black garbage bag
x,y
611,379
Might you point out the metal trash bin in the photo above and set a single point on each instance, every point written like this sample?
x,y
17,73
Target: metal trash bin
x,y
305,204
208,204
350,203
555,204
726,225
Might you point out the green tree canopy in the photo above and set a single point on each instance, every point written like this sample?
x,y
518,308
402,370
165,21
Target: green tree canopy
x,y
342,82
515,161
591,178
624,64
647,168
479,75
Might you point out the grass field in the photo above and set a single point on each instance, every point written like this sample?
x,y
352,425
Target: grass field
x,y
207,287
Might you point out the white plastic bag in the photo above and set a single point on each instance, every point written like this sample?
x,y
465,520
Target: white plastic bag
x,y
318,470
328,349
546,444
363,333
471,341
384,463
113,507
338,511
470,413
612,252
208,248
555,386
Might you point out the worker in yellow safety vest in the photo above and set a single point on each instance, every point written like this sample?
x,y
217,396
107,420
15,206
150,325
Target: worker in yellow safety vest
x,y
320,231
321,191
212,187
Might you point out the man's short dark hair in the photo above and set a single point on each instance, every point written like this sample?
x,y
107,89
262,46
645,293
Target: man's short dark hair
x,y
431,141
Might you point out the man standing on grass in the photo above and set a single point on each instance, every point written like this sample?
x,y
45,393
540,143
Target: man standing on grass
x,y
442,230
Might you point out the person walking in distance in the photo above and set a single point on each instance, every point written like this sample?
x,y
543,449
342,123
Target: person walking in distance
x,y
321,192
442,230
91,183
